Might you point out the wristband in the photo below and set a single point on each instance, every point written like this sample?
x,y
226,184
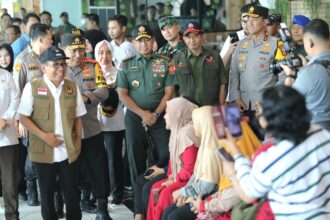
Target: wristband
x,y
291,76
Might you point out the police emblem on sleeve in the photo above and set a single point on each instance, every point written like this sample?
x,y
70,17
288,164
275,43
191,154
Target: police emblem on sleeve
x,y
136,84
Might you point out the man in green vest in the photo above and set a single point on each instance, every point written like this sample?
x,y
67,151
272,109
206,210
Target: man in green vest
x,y
51,108
144,85
200,72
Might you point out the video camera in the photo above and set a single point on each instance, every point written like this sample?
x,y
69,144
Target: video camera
x,y
293,60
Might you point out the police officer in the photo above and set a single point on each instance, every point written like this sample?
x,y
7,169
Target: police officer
x,y
199,71
27,67
297,31
144,86
250,67
170,30
89,78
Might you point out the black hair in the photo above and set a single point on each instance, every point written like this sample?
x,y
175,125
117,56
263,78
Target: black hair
x,y
284,109
11,54
19,20
152,6
319,28
3,15
38,30
94,36
28,16
45,13
94,17
16,29
121,19
64,14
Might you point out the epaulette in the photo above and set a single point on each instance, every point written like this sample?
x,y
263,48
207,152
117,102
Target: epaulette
x,y
89,60
128,58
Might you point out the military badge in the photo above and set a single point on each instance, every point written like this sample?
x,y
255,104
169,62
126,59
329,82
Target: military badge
x,y
136,84
68,90
209,59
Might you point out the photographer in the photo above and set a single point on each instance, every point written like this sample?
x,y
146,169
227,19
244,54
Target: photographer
x,y
314,79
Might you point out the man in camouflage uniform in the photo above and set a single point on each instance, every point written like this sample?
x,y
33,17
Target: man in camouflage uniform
x,y
170,31
144,86
89,78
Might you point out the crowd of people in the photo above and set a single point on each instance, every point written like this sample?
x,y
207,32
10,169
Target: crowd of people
x,y
84,117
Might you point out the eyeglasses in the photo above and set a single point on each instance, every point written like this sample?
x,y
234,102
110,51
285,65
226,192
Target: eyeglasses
x,y
58,65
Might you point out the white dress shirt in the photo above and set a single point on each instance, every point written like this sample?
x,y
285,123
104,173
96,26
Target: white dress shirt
x,y
26,108
9,100
121,52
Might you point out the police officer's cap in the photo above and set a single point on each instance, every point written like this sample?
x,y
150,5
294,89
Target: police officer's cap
x,y
256,11
301,20
141,31
110,105
77,31
72,41
165,21
193,27
53,54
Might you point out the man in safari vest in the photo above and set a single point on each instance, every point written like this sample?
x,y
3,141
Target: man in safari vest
x,y
51,108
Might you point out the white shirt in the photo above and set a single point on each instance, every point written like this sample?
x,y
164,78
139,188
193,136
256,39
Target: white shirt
x,y
9,99
26,108
116,122
121,52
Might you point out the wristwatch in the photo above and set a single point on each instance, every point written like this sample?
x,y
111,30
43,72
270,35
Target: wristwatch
x,y
157,114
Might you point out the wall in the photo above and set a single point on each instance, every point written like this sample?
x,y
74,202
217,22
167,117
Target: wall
x,y
298,7
56,7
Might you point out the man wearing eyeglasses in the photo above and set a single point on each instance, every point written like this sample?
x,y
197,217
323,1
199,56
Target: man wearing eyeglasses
x,y
88,75
250,66
51,110
26,68
199,71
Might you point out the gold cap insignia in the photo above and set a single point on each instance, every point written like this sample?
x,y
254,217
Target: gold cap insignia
x,y
251,10
142,29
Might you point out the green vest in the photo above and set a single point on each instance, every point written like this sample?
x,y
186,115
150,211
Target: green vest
x,y
43,116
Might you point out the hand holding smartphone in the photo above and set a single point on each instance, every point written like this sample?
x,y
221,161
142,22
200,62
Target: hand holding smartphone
x,y
224,155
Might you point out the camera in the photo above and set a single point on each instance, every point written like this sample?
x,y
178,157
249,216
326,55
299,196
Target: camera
x,y
293,60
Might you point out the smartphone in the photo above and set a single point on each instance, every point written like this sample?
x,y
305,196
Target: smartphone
x,y
192,192
234,37
233,120
224,155
219,122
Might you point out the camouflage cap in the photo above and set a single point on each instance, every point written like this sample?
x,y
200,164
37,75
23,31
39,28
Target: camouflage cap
x,y
165,21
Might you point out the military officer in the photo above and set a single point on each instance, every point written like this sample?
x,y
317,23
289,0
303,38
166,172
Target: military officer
x,y
89,78
199,71
250,67
170,30
144,85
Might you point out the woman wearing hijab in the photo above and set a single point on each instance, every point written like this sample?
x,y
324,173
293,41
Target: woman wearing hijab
x,y
208,174
217,206
183,145
111,117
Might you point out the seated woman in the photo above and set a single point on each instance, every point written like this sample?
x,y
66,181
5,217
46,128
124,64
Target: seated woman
x,y
183,145
217,205
294,173
144,183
